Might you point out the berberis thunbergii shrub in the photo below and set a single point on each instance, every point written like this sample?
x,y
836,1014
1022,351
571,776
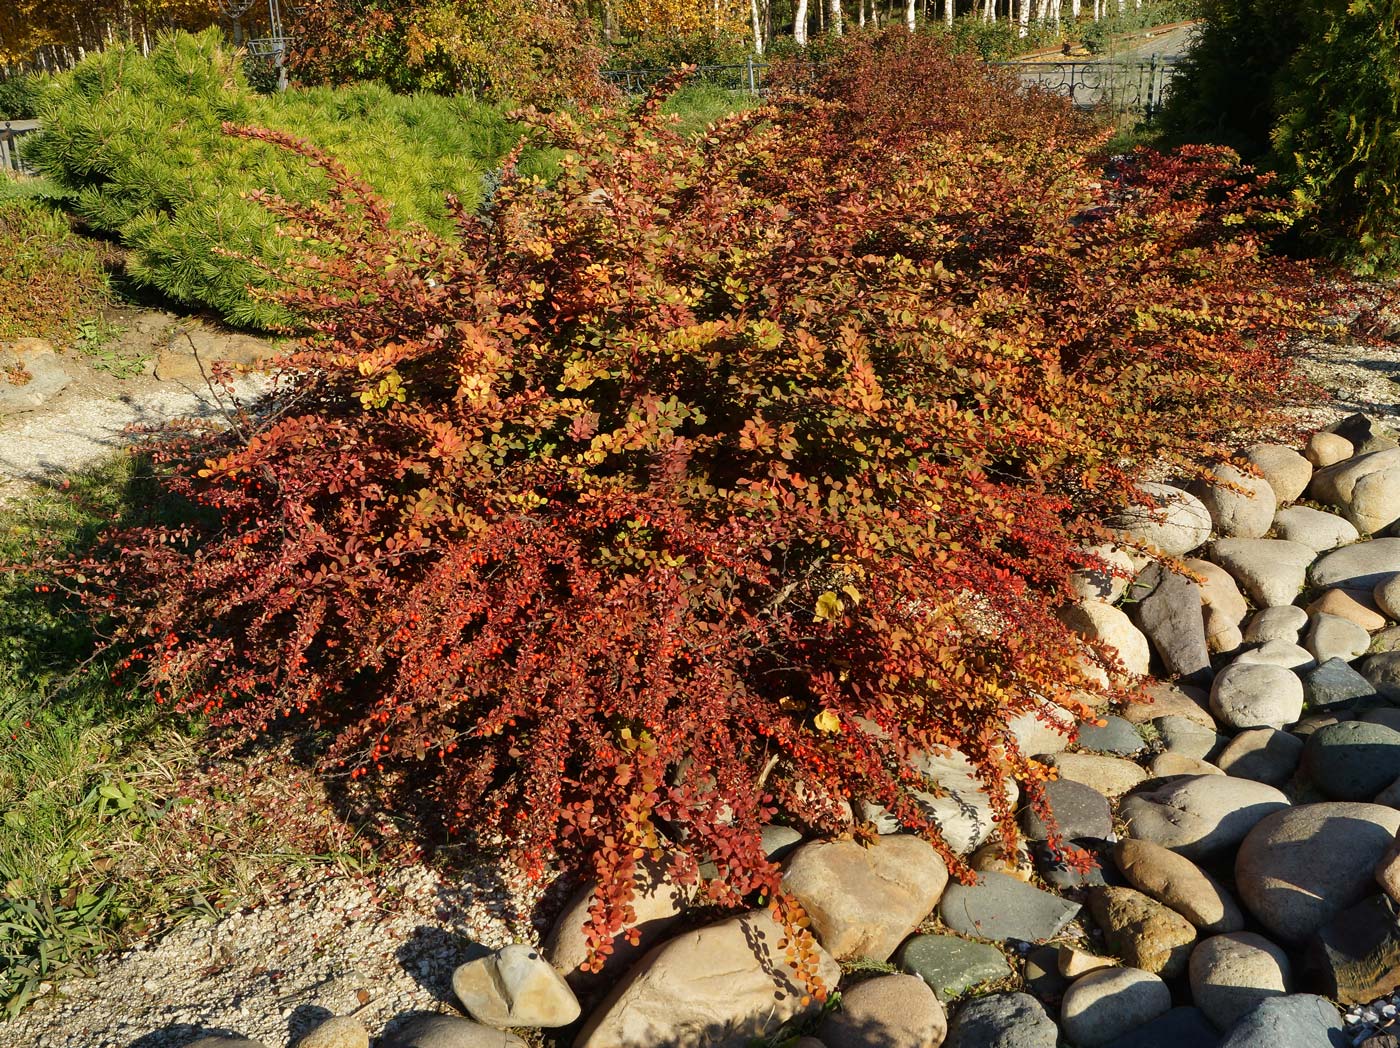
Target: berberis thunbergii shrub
x,y
714,479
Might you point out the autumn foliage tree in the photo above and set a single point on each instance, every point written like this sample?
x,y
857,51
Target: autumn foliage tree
x,y
715,480
538,52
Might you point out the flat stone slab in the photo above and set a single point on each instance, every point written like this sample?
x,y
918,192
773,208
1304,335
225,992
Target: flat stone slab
x,y
1117,737
1000,907
31,375
1002,1020
950,965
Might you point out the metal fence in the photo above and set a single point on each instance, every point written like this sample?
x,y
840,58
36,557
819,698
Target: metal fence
x,y
11,131
746,76
1117,86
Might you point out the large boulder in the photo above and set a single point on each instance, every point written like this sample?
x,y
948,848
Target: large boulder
x,y
656,904
1112,628
1108,1003
1176,881
1140,930
1317,529
1355,957
890,1011
1356,606
1002,1020
960,807
1333,637
1168,699
449,1031
1382,670
1358,567
1286,471
864,902
1335,686
1366,488
1231,974
1272,571
1078,812
1279,623
1300,867
951,965
1353,760
1168,609
1327,449
1000,907
1111,776
1256,695
1262,754
1200,817
719,985
1106,583
1298,1020
1175,526
515,986
1240,505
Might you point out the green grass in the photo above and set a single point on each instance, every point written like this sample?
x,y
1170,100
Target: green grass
x,y
699,105
111,819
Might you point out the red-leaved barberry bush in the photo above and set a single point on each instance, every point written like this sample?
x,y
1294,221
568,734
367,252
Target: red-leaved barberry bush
x,y
714,479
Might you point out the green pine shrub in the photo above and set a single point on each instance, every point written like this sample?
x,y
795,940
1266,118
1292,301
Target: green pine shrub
x,y
138,142
1337,141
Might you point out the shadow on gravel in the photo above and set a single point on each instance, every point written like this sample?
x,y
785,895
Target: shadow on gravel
x,y
304,1019
431,954
181,1034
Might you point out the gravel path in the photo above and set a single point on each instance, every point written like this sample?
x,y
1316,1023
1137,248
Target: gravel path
x,y
82,429
382,950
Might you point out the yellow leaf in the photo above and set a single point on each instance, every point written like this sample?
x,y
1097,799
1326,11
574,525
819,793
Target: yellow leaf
x,y
827,721
829,607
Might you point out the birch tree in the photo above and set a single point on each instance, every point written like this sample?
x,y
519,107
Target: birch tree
x,y
799,24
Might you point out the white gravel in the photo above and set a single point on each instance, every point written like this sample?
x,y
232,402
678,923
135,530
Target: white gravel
x,y
381,949
81,430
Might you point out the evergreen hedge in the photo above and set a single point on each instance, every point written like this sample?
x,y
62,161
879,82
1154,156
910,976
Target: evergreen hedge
x,y
138,144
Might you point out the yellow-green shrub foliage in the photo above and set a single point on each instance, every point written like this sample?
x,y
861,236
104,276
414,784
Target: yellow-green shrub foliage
x,y
137,141
1338,139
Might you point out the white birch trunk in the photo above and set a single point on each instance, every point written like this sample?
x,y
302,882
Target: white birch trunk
x,y
1024,27
909,10
837,26
799,24
757,27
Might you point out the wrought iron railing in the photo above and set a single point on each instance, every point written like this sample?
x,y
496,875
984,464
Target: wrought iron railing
x,y
11,131
1115,85
1118,86
746,76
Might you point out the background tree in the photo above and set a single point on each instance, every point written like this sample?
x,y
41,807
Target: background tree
x,y
1338,137
540,52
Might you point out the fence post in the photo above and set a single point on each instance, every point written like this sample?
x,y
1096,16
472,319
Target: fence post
x,y
1150,108
753,90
